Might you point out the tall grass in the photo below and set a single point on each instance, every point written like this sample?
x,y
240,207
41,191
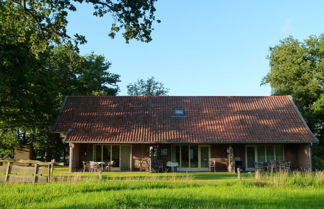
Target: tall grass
x,y
278,190
296,178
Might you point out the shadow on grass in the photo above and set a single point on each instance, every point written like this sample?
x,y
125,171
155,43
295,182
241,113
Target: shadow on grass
x,y
127,201
152,176
139,187
212,176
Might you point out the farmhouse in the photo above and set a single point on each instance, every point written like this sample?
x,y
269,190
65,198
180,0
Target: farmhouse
x,y
192,133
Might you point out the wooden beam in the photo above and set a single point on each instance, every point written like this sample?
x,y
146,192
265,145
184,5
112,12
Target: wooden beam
x,y
71,157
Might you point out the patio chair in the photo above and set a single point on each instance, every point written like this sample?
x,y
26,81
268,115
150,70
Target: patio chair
x,y
288,166
160,166
259,166
212,165
238,164
109,165
93,166
272,166
284,166
85,165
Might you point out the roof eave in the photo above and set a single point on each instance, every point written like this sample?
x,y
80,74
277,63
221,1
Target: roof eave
x,y
221,142
316,140
58,116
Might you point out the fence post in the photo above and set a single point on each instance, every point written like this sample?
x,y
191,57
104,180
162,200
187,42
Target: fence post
x,y
51,172
100,174
35,173
48,173
239,173
257,175
7,171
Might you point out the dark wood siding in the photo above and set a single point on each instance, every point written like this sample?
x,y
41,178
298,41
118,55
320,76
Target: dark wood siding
x,y
219,155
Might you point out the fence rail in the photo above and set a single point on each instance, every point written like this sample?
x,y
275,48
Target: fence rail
x,y
26,171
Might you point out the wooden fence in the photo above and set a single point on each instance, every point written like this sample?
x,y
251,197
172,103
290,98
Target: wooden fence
x,y
26,171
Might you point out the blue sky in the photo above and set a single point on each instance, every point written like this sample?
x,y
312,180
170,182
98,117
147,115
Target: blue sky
x,y
210,47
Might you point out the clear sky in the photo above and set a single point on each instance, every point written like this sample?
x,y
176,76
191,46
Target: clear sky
x,y
210,47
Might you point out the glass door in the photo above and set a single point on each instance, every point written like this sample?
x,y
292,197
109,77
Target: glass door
x,y
192,157
204,157
250,157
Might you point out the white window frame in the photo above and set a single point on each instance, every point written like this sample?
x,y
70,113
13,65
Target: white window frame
x,y
110,145
199,156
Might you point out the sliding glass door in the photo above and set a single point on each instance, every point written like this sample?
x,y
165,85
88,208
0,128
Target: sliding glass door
x,y
250,157
204,156
107,153
192,157
184,150
263,153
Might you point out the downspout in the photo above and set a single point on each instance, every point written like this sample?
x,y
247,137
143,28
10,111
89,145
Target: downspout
x,y
310,157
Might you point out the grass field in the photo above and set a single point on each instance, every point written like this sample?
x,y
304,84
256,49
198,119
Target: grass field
x,y
193,190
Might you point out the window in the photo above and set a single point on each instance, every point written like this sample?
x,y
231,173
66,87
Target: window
x,y
279,152
204,157
178,112
97,153
185,156
107,153
178,154
261,153
192,156
270,153
265,153
115,155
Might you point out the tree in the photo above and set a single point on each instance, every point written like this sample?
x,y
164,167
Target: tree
x,y
40,23
150,87
297,69
30,100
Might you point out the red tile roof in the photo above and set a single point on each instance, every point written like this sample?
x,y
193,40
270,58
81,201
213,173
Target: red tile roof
x,y
208,119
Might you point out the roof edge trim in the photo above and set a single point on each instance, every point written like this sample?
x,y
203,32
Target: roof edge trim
x,y
302,118
136,142
59,114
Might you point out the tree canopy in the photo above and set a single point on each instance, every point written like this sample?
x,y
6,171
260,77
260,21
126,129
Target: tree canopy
x,y
40,23
149,87
297,69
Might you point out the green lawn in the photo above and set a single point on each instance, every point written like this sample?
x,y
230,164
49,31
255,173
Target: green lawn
x,y
193,190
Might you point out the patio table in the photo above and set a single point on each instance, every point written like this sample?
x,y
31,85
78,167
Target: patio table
x,y
101,165
172,165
